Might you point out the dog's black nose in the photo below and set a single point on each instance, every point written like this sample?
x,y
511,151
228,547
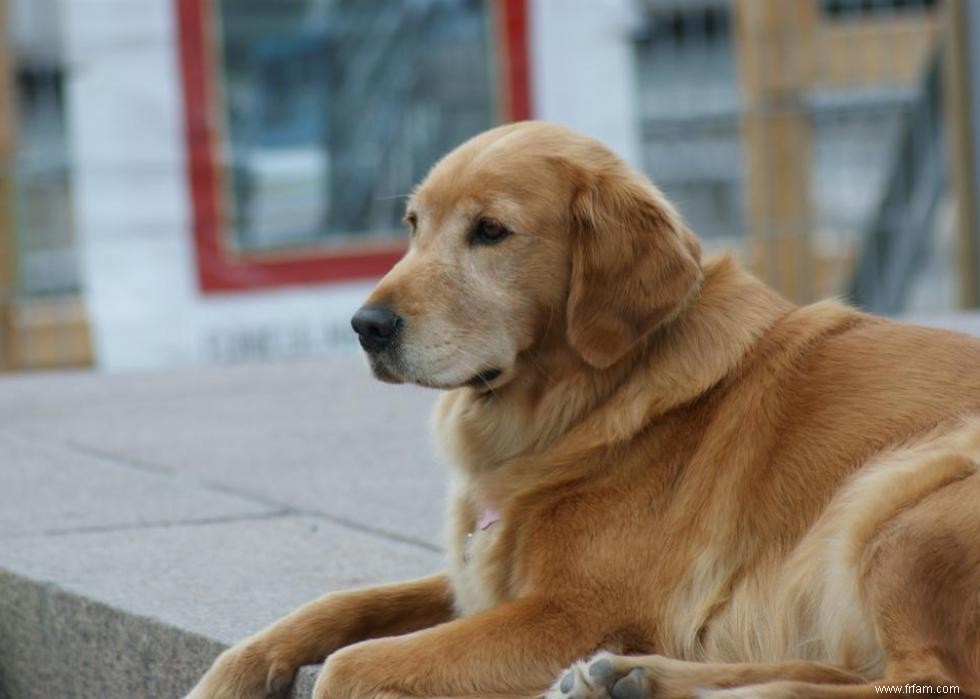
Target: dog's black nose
x,y
375,327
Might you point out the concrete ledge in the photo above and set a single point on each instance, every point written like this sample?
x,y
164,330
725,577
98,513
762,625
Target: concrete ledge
x,y
148,521
56,643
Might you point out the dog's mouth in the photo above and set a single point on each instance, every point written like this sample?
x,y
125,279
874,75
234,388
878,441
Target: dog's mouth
x,y
383,371
390,372
484,379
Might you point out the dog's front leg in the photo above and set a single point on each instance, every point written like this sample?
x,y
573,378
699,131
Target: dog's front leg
x,y
264,664
515,648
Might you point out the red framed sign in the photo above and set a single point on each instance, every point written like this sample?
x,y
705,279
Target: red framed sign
x,y
305,124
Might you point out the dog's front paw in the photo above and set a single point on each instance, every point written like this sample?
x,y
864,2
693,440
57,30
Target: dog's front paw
x,y
603,676
248,670
355,672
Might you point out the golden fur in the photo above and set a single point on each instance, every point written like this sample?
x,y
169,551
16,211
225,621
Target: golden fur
x,y
716,491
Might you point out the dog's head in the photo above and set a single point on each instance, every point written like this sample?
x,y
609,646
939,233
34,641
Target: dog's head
x,y
526,233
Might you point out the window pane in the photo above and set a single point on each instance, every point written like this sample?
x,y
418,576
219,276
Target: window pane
x,y
333,109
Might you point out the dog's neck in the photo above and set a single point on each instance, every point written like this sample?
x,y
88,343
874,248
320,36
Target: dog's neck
x,y
557,393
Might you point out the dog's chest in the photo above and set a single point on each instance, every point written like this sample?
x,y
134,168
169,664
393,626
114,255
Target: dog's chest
x,y
478,569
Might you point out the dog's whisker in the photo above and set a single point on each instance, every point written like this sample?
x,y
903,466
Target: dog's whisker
x,y
537,365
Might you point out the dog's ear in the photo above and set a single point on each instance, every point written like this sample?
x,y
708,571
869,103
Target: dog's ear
x,y
634,265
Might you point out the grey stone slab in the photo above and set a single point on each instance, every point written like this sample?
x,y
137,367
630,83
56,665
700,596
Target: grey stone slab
x,y
147,520
304,681
221,581
49,489
321,436
54,643
117,607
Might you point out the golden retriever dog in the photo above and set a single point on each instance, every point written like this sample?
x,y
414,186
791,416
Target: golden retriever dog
x,y
668,480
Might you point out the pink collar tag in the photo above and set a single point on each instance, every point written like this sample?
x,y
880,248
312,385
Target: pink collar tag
x,y
488,519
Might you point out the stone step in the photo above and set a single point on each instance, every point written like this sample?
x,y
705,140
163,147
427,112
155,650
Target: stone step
x,y
148,521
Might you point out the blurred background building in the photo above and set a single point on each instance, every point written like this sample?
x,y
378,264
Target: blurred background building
x,y
200,181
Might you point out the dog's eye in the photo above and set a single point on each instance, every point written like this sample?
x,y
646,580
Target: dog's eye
x,y
413,221
488,232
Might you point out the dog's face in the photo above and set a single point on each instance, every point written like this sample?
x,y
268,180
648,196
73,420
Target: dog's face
x,y
522,231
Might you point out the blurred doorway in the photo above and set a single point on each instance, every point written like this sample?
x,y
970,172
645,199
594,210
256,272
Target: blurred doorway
x,y
42,316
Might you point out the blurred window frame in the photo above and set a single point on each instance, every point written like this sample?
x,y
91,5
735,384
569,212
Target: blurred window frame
x,y
222,268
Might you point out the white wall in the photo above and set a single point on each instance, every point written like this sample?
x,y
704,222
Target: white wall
x,y
583,71
133,216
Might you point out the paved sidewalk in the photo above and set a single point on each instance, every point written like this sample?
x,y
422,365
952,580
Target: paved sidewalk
x,y
148,520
